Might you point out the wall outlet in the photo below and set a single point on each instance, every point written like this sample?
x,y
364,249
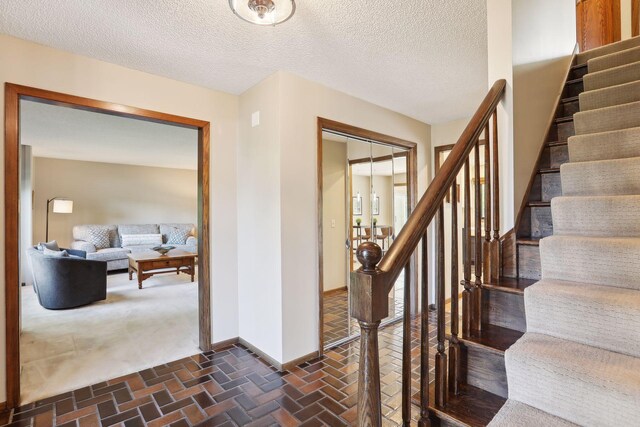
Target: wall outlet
x,y
255,119
333,223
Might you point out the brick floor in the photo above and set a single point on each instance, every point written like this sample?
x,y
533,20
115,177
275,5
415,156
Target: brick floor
x,y
232,387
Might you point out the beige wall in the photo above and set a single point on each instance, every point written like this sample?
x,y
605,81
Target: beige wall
x,y
107,193
35,65
334,214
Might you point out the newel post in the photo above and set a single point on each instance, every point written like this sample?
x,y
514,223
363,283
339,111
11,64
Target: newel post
x,y
369,305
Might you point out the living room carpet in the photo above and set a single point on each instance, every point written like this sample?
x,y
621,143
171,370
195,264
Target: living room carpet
x,y
131,330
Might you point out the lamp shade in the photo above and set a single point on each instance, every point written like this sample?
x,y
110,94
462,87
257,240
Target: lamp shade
x,y
62,206
263,12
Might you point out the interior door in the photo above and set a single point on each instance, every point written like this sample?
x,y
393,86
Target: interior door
x,y
598,23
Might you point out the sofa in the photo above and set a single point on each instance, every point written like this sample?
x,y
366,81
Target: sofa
x,y
115,249
67,282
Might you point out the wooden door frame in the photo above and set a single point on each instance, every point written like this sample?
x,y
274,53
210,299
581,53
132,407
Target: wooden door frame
x,y
635,18
412,193
13,94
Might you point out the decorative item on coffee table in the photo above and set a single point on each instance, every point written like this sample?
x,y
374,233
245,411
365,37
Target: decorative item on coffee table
x,y
163,250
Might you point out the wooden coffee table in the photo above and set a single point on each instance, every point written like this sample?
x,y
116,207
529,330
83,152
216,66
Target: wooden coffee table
x,y
148,263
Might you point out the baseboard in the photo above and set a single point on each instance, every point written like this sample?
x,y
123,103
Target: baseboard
x,y
224,344
334,291
270,360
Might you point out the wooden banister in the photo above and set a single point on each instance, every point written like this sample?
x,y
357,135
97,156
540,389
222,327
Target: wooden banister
x,y
371,284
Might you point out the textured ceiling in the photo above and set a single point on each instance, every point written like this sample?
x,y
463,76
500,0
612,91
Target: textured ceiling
x,y
423,58
67,133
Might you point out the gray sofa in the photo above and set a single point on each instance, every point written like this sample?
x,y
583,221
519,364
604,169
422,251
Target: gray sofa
x,y
116,255
67,282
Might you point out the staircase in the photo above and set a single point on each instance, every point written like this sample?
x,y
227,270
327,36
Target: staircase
x,y
579,360
555,339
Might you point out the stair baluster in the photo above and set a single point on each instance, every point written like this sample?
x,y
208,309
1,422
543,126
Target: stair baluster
x,y
441,356
424,336
477,264
467,293
486,247
406,349
454,345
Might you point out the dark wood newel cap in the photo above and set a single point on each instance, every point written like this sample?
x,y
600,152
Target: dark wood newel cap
x,y
369,255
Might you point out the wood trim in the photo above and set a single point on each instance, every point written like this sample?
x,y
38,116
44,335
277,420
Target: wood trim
x,y
379,159
412,194
273,362
220,345
635,18
13,94
334,291
364,133
509,255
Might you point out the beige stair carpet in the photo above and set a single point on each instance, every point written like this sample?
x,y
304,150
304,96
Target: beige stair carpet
x,y
600,316
609,96
616,117
601,177
617,144
615,59
598,216
599,260
585,385
517,414
612,77
583,57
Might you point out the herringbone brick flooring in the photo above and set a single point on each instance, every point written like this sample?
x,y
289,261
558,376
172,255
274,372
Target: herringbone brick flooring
x,y
232,387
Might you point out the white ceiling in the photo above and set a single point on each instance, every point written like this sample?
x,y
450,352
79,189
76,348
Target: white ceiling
x,y
67,133
424,58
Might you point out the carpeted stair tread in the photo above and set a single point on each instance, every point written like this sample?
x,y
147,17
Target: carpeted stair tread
x,y
583,57
518,414
601,316
608,118
612,77
579,383
617,144
601,177
614,59
608,96
602,261
600,216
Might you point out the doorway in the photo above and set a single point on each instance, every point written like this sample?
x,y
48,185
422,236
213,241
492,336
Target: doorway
x,y
366,192
14,96
598,23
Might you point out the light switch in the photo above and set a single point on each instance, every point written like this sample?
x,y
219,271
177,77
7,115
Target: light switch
x,y
333,223
255,119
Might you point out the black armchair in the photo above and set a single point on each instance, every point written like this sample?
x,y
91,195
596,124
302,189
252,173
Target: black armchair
x,y
67,282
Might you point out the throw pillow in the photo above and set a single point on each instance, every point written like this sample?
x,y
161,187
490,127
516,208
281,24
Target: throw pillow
x,y
140,239
57,254
98,237
52,245
178,236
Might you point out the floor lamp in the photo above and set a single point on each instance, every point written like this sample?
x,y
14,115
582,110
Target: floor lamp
x,y
60,205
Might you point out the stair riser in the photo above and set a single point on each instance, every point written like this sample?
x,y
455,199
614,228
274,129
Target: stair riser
x,y
551,186
611,145
565,130
485,369
577,73
553,157
504,309
541,222
618,117
614,60
570,108
573,89
612,77
529,262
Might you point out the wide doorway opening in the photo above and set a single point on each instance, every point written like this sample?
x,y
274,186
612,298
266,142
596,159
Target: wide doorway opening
x,y
111,273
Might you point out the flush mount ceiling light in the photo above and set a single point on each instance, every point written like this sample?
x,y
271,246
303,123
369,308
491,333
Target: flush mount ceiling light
x,y
263,12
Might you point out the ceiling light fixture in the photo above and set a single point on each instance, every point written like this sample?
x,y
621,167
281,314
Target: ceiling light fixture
x,y
263,12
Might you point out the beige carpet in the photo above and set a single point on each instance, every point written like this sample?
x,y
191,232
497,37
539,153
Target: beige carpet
x,y
133,329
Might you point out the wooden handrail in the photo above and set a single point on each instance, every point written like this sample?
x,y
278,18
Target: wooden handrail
x,y
407,241
371,284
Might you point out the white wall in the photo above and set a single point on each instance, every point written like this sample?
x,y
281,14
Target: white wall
x,y
625,19
35,65
108,193
334,214
259,224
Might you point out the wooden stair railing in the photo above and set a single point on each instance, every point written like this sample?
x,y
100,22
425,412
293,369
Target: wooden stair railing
x,y
371,284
